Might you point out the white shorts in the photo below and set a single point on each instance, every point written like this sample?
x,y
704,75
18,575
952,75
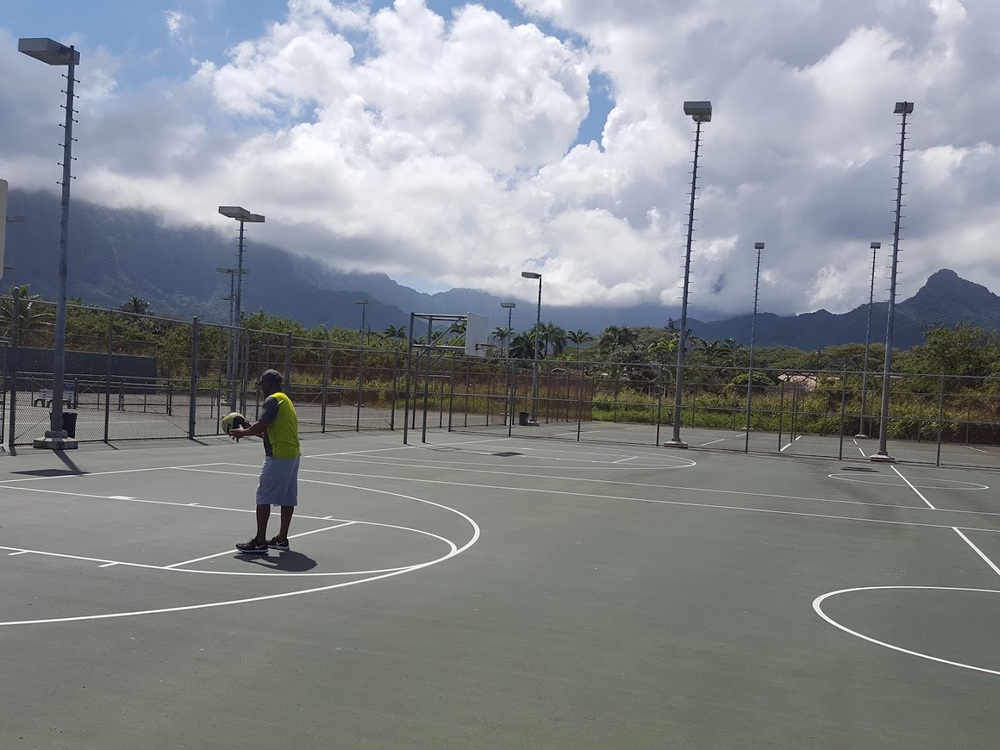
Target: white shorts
x,y
279,481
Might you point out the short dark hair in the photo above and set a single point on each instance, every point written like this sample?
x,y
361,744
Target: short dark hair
x,y
271,376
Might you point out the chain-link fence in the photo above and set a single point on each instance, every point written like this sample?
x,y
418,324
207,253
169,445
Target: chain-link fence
x,y
133,376
933,419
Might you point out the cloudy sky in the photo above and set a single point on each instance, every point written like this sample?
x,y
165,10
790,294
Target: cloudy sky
x,y
450,144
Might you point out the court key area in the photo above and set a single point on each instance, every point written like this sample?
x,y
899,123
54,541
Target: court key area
x,y
493,592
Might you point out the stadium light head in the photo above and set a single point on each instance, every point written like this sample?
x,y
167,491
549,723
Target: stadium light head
x,y
508,305
531,275
48,51
876,245
758,246
700,111
241,214
904,108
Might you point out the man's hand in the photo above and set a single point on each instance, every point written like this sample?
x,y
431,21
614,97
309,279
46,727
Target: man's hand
x,y
238,432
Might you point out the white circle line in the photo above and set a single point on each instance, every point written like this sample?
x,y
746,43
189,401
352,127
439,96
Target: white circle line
x,y
818,608
268,597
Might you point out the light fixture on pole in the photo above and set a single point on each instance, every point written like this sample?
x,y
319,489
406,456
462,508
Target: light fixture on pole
x,y
509,307
243,216
758,246
875,246
538,331
54,53
882,454
700,112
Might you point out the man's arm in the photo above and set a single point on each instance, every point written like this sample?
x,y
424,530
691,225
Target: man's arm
x,y
255,430
268,412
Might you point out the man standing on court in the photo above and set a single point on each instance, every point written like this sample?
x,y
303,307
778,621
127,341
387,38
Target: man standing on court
x,y
279,476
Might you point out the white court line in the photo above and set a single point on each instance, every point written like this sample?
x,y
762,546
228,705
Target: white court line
x,y
455,550
789,445
623,460
67,475
230,551
978,450
645,485
978,552
963,537
910,485
683,504
713,442
818,608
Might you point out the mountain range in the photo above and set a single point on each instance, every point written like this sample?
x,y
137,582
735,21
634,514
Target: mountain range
x,y
115,254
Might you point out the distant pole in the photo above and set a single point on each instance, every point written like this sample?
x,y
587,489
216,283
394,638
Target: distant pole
x,y
875,246
758,246
361,364
902,108
538,331
242,215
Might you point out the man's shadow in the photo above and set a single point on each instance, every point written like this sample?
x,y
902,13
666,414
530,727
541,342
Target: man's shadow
x,y
288,561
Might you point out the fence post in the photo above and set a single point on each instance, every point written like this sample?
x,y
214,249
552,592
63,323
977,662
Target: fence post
x,y
325,391
15,340
193,408
940,436
288,359
781,413
843,412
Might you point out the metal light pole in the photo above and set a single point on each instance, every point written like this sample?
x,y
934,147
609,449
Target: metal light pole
x,y
230,349
243,216
758,246
361,363
509,307
509,409
54,53
538,327
882,454
875,246
700,112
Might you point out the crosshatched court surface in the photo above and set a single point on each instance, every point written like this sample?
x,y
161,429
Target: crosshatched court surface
x,y
480,592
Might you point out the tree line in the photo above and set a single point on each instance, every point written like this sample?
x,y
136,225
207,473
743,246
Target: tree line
x,y
957,353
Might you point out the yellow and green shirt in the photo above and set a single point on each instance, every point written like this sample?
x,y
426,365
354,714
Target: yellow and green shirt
x,y
281,438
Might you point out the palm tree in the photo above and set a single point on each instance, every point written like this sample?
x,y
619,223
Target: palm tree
x,y
554,338
501,335
136,305
33,314
578,337
522,345
395,334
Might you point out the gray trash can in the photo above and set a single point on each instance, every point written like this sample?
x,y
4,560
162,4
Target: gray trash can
x,y
69,423
522,418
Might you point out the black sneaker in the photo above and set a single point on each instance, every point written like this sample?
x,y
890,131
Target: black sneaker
x,y
273,543
253,547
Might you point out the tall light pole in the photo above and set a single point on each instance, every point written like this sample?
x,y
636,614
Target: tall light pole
x,y
882,454
361,363
54,53
538,327
230,349
243,216
700,112
509,307
758,246
875,246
